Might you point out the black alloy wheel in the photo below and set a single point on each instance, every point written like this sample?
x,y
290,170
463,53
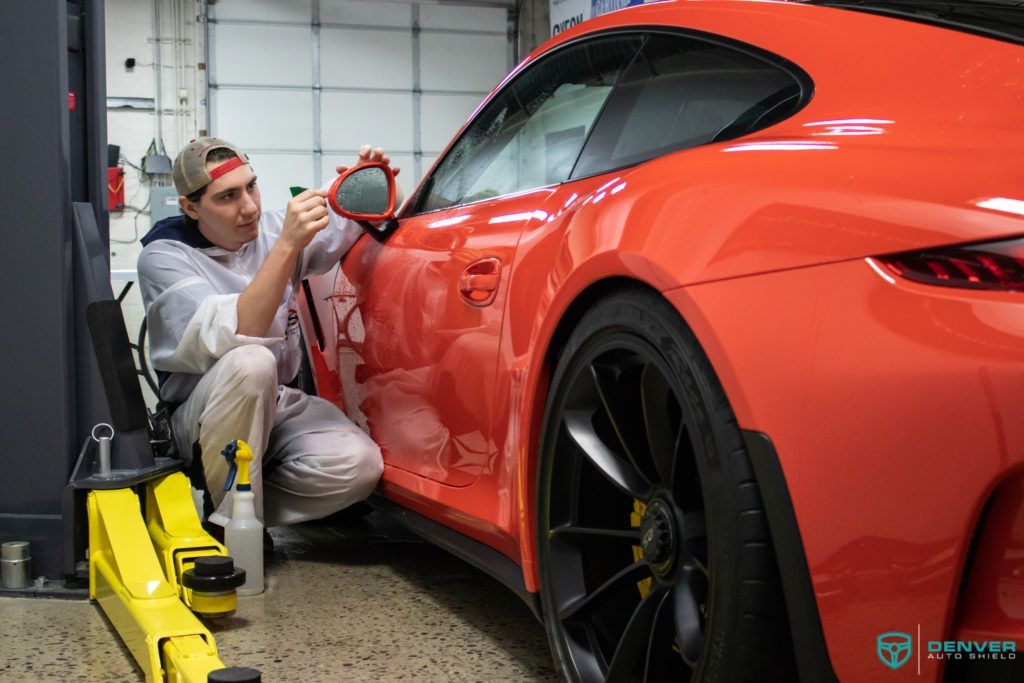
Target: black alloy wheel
x,y
655,557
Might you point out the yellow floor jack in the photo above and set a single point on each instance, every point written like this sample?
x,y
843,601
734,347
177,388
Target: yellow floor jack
x,y
152,567
153,572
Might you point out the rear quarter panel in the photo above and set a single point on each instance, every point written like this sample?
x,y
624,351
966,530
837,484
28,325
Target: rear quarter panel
x,y
893,153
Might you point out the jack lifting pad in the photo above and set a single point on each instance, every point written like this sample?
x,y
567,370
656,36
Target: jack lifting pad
x,y
235,674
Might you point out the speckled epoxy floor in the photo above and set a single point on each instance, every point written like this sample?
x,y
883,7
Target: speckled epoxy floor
x,y
362,601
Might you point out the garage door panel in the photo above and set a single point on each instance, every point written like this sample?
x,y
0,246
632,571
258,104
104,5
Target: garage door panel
x,y
406,178
366,13
349,120
263,55
462,62
265,119
265,10
465,18
365,59
262,95
442,116
277,173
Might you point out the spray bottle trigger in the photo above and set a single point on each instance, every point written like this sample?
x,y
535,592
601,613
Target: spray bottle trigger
x,y
229,452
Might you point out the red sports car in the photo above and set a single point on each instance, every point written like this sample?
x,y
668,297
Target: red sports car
x,y
706,335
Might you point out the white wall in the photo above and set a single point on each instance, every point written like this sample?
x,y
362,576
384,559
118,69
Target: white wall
x,y
302,85
130,33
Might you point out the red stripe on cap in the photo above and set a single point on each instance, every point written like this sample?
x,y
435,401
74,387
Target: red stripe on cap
x,y
226,167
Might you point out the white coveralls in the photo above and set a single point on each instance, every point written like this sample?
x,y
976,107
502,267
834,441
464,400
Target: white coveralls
x,y
230,385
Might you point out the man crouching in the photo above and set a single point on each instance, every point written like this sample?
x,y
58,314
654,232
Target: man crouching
x,y
218,284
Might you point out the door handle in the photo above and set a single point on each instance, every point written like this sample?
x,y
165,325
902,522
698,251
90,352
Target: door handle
x,y
478,284
483,283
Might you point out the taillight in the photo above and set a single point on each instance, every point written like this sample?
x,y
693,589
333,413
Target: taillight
x,y
994,265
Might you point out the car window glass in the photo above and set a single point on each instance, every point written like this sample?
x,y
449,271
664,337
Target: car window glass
x,y
682,92
531,134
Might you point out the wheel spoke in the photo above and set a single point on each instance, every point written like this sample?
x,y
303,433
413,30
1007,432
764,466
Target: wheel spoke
x,y
685,478
656,395
694,532
694,524
687,597
637,635
604,378
574,534
625,576
660,642
695,539
619,472
682,437
615,387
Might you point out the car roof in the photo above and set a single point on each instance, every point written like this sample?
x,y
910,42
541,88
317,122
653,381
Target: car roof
x,y
1002,19
879,66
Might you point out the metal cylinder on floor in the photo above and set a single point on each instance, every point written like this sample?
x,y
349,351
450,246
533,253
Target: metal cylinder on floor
x,y
15,565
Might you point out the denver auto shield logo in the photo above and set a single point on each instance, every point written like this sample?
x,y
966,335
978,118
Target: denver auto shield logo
x,y
894,648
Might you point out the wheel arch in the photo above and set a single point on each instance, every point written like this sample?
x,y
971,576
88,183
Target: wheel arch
x,y
543,359
812,656
583,302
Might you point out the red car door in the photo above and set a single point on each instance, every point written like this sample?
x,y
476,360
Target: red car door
x,y
418,322
418,319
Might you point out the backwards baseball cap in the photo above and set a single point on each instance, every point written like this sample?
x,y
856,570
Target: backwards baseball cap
x,y
189,171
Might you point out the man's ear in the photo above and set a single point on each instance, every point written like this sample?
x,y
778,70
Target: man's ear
x,y
188,208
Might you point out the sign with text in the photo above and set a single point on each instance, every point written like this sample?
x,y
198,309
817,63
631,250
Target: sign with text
x,y
568,13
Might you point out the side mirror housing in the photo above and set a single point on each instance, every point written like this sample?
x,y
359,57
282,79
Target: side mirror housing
x,y
366,194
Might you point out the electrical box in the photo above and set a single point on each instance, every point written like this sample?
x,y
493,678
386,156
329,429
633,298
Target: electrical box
x,y
163,203
115,188
157,164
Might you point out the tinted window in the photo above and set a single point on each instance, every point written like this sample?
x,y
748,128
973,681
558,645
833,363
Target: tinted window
x,y
531,133
682,92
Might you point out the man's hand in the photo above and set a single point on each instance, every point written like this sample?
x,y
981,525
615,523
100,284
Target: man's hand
x,y
257,304
305,217
367,153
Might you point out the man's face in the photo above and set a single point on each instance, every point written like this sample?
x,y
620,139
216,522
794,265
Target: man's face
x,y
228,213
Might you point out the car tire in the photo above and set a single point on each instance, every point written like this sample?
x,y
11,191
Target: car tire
x,y
656,561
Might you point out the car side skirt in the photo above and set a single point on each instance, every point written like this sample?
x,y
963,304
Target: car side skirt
x,y
481,556
804,622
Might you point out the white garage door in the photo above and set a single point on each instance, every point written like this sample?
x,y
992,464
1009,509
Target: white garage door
x,y
301,84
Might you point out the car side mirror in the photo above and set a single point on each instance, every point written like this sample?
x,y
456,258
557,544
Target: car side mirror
x,y
366,194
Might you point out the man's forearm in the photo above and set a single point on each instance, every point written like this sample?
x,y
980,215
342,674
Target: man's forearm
x,y
258,303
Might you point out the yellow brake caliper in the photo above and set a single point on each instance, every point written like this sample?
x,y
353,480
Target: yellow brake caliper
x,y
635,520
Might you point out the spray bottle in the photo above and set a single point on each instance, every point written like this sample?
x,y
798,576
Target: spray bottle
x,y
243,535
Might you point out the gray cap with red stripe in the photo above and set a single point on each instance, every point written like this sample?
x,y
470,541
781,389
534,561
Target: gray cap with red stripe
x,y
190,173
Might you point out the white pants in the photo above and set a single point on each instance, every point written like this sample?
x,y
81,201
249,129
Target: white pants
x,y
322,461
